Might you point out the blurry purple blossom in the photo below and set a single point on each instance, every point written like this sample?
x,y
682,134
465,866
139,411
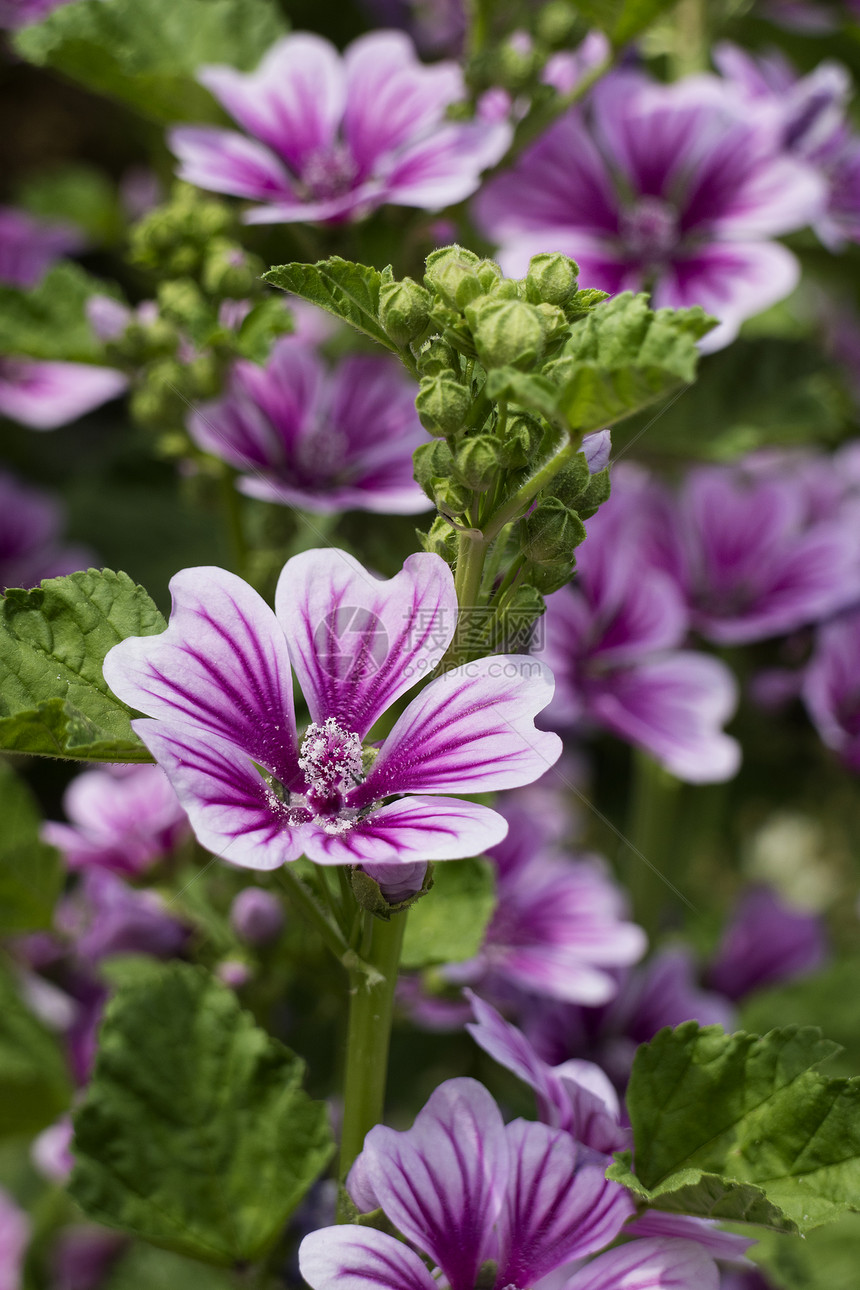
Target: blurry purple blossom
x,y
831,687
218,686
612,640
335,136
105,916
558,924
321,440
766,942
30,546
463,1188
436,26
20,13
676,189
257,916
122,819
45,395
14,1239
82,1255
51,1152
29,246
565,70
757,549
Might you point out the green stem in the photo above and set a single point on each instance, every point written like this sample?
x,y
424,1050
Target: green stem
x,y
538,121
371,1008
313,911
517,504
468,574
232,504
654,808
691,28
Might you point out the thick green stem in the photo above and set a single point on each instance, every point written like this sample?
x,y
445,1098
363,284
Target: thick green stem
x,y
371,1007
653,815
232,504
468,575
525,494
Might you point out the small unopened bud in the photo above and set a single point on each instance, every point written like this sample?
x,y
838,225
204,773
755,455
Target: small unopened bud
x,y
450,497
233,973
596,493
551,532
521,438
182,302
230,271
554,321
452,274
256,916
507,333
404,310
441,539
551,278
431,461
513,631
204,377
397,882
569,484
505,289
489,274
514,63
477,462
438,356
551,577
442,405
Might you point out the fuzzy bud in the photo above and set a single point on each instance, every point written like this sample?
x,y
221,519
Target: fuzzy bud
x,y
182,302
489,274
516,620
438,356
451,497
431,461
404,310
551,279
569,484
477,462
452,274
554,321
507,333
256,916
521,438
230,271
442,405
440,540
505,289
551,532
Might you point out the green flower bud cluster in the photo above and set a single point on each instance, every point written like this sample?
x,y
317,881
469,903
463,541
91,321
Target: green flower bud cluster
x,y
173,240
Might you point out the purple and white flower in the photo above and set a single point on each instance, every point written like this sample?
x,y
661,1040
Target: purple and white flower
x,y
612,641
29,246
677,189
44,395
325,441
767,941
122,818
558,927
30,546
831,687
104,916
217,687
465,1188
332,136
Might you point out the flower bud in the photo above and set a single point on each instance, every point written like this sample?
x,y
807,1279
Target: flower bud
x,y
551,577
477,462
230,271
442,404
450,497
595,494
514,64
438,356
452,274
182,302
505,289
551,278
521,437
507,333
489,274
256,916
554,321
431,460
440,540
551,532
570,483
404,310
513,630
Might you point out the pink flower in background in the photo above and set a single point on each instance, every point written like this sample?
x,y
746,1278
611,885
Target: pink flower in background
x,y
612,641
321,440
677,189
831,687
44,395
558,924
29,246
31,548
765,943
104,916
14,1239
122,818
20,13
332,136
218,688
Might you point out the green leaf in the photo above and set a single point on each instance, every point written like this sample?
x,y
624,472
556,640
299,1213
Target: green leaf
x,y
831,993
622,357
825,1260
527,390
34,1084
146,52
31,872
448,924
712,1113
622,19
54,700
145,1267
349,291
50,320
195,1133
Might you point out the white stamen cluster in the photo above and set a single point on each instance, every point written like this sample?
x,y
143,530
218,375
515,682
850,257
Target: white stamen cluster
x,y
330,757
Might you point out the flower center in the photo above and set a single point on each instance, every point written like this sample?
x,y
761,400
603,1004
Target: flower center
x,y
650,230
330,758
329,172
